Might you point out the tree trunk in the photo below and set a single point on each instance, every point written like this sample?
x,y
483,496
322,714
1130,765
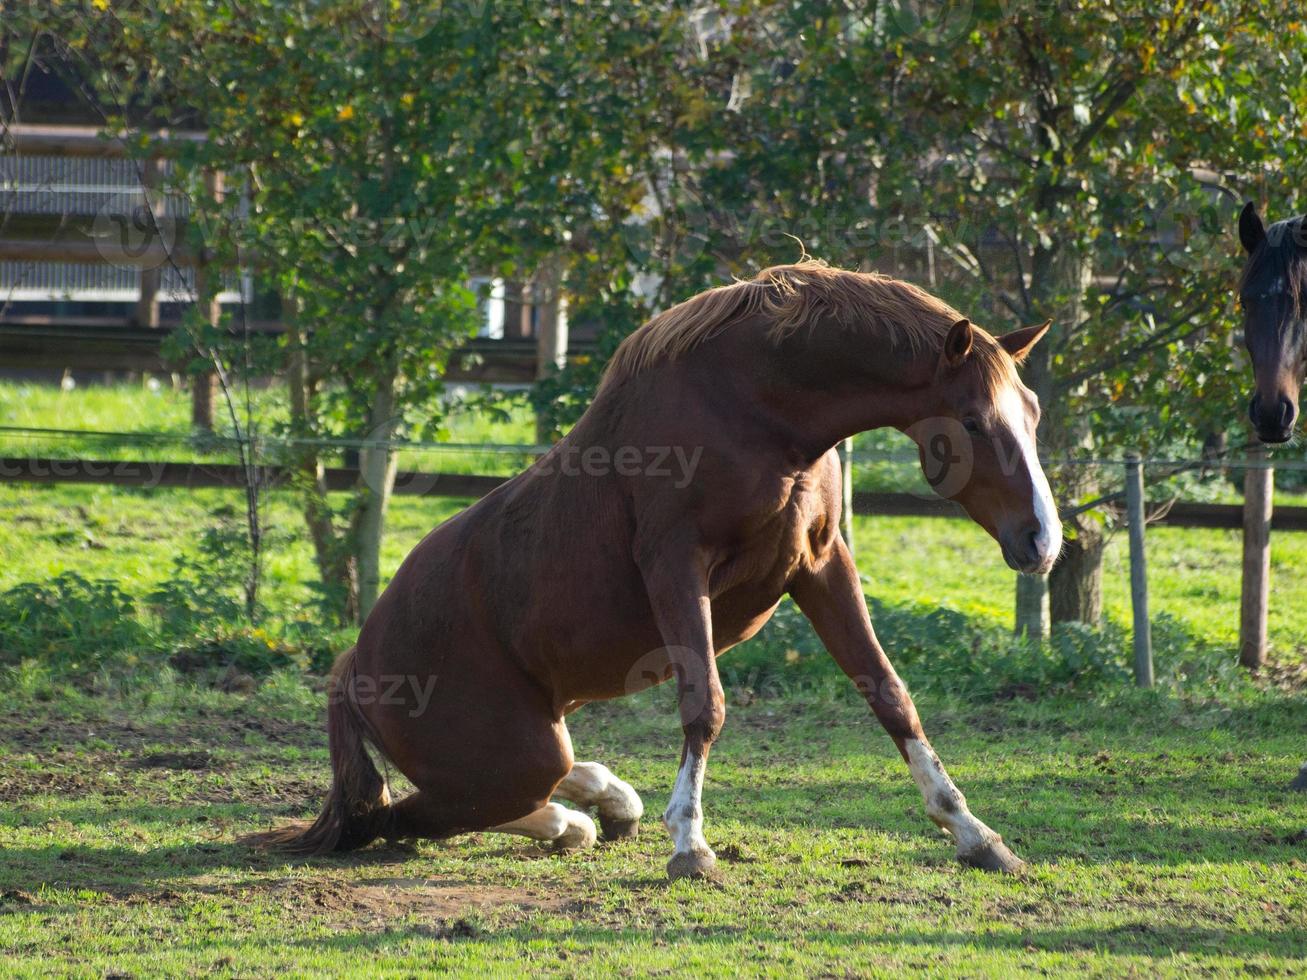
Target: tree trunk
x,y
1076,582
337,570
551,327
376,480
1032,606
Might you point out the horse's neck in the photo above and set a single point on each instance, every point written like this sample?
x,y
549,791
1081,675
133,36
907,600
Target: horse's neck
x,y
854,383
822,386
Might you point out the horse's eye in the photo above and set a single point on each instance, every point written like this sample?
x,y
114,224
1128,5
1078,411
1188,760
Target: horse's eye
x,y
970,424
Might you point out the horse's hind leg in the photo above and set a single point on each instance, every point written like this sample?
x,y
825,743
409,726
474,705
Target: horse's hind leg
x,y
619,807
568,830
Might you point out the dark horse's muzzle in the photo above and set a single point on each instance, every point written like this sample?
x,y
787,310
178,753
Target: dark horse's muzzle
x,y
1273,420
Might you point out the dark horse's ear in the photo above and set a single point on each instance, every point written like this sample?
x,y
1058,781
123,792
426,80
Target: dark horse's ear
x,y
957,344
1251,230
1018,342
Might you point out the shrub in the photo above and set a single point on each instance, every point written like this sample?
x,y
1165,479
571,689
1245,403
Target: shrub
x,y
74,624
942,650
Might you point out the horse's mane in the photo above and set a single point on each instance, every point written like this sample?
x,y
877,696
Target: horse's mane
x,y
800,297
1282,253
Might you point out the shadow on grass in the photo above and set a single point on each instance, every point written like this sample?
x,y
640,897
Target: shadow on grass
x,y
125,871
1130,938
1084,819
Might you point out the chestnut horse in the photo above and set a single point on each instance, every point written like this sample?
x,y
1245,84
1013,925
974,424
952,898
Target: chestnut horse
x,y
606,568
1273,294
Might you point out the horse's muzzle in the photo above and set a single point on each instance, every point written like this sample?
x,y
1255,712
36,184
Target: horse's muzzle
x,y
1026,550
1273,422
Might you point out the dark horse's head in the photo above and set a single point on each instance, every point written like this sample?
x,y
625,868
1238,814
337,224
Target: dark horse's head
x,y
1273,292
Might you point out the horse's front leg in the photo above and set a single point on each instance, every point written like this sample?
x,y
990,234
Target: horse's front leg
x,y
684,616
831,597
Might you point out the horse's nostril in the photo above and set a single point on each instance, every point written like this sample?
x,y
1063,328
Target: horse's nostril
x,y
1287,413
1253,405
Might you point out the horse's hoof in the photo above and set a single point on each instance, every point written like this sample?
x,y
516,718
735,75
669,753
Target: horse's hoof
x,y
1300,783
696,865
615,829
579,836
993,856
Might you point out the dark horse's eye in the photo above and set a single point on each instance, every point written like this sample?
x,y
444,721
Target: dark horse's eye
x,y
970,424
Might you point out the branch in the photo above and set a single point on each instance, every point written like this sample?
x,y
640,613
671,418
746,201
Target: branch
x,y
962,256
1170,332
1198,464
1117,95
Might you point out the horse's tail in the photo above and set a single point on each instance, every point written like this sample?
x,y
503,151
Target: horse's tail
x,y
357,809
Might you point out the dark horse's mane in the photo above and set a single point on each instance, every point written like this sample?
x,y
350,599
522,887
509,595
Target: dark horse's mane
x,y
800,297
1282,253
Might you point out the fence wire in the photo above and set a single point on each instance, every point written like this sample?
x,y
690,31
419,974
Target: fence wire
x,y
206,440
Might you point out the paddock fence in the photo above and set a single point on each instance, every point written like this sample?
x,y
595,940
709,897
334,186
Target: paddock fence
x,y
1255,516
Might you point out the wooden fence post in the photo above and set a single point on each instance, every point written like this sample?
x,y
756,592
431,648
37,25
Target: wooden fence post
x,y
1258,500
1143,631
846,511
1033,614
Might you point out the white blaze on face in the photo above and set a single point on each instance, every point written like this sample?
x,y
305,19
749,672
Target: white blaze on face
x,y
1012,409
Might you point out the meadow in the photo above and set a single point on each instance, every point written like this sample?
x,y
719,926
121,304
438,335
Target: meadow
x,y
1161,837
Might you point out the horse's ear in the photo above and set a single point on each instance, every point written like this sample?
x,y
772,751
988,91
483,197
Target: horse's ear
x,y
1018,342
1251,230
957,344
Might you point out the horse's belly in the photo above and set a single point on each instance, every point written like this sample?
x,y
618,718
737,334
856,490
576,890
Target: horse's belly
x,y
617,663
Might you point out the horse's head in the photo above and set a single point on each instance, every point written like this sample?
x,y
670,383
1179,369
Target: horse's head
x,y
1272,292
979,446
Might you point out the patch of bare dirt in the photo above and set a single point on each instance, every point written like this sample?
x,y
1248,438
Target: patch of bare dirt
x,y
735,854
204,727
441,905
190,761
23,784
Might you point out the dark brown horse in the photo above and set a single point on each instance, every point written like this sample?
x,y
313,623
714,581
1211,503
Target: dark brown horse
x,y
1273,294
699,489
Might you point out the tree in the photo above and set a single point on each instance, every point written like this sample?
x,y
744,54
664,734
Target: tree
x,y
381,150
1028,160
1076,147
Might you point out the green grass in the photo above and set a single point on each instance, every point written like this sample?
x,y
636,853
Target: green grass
x,y
131,536
1160,835
136,413
1194,576
1160,838
887,458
